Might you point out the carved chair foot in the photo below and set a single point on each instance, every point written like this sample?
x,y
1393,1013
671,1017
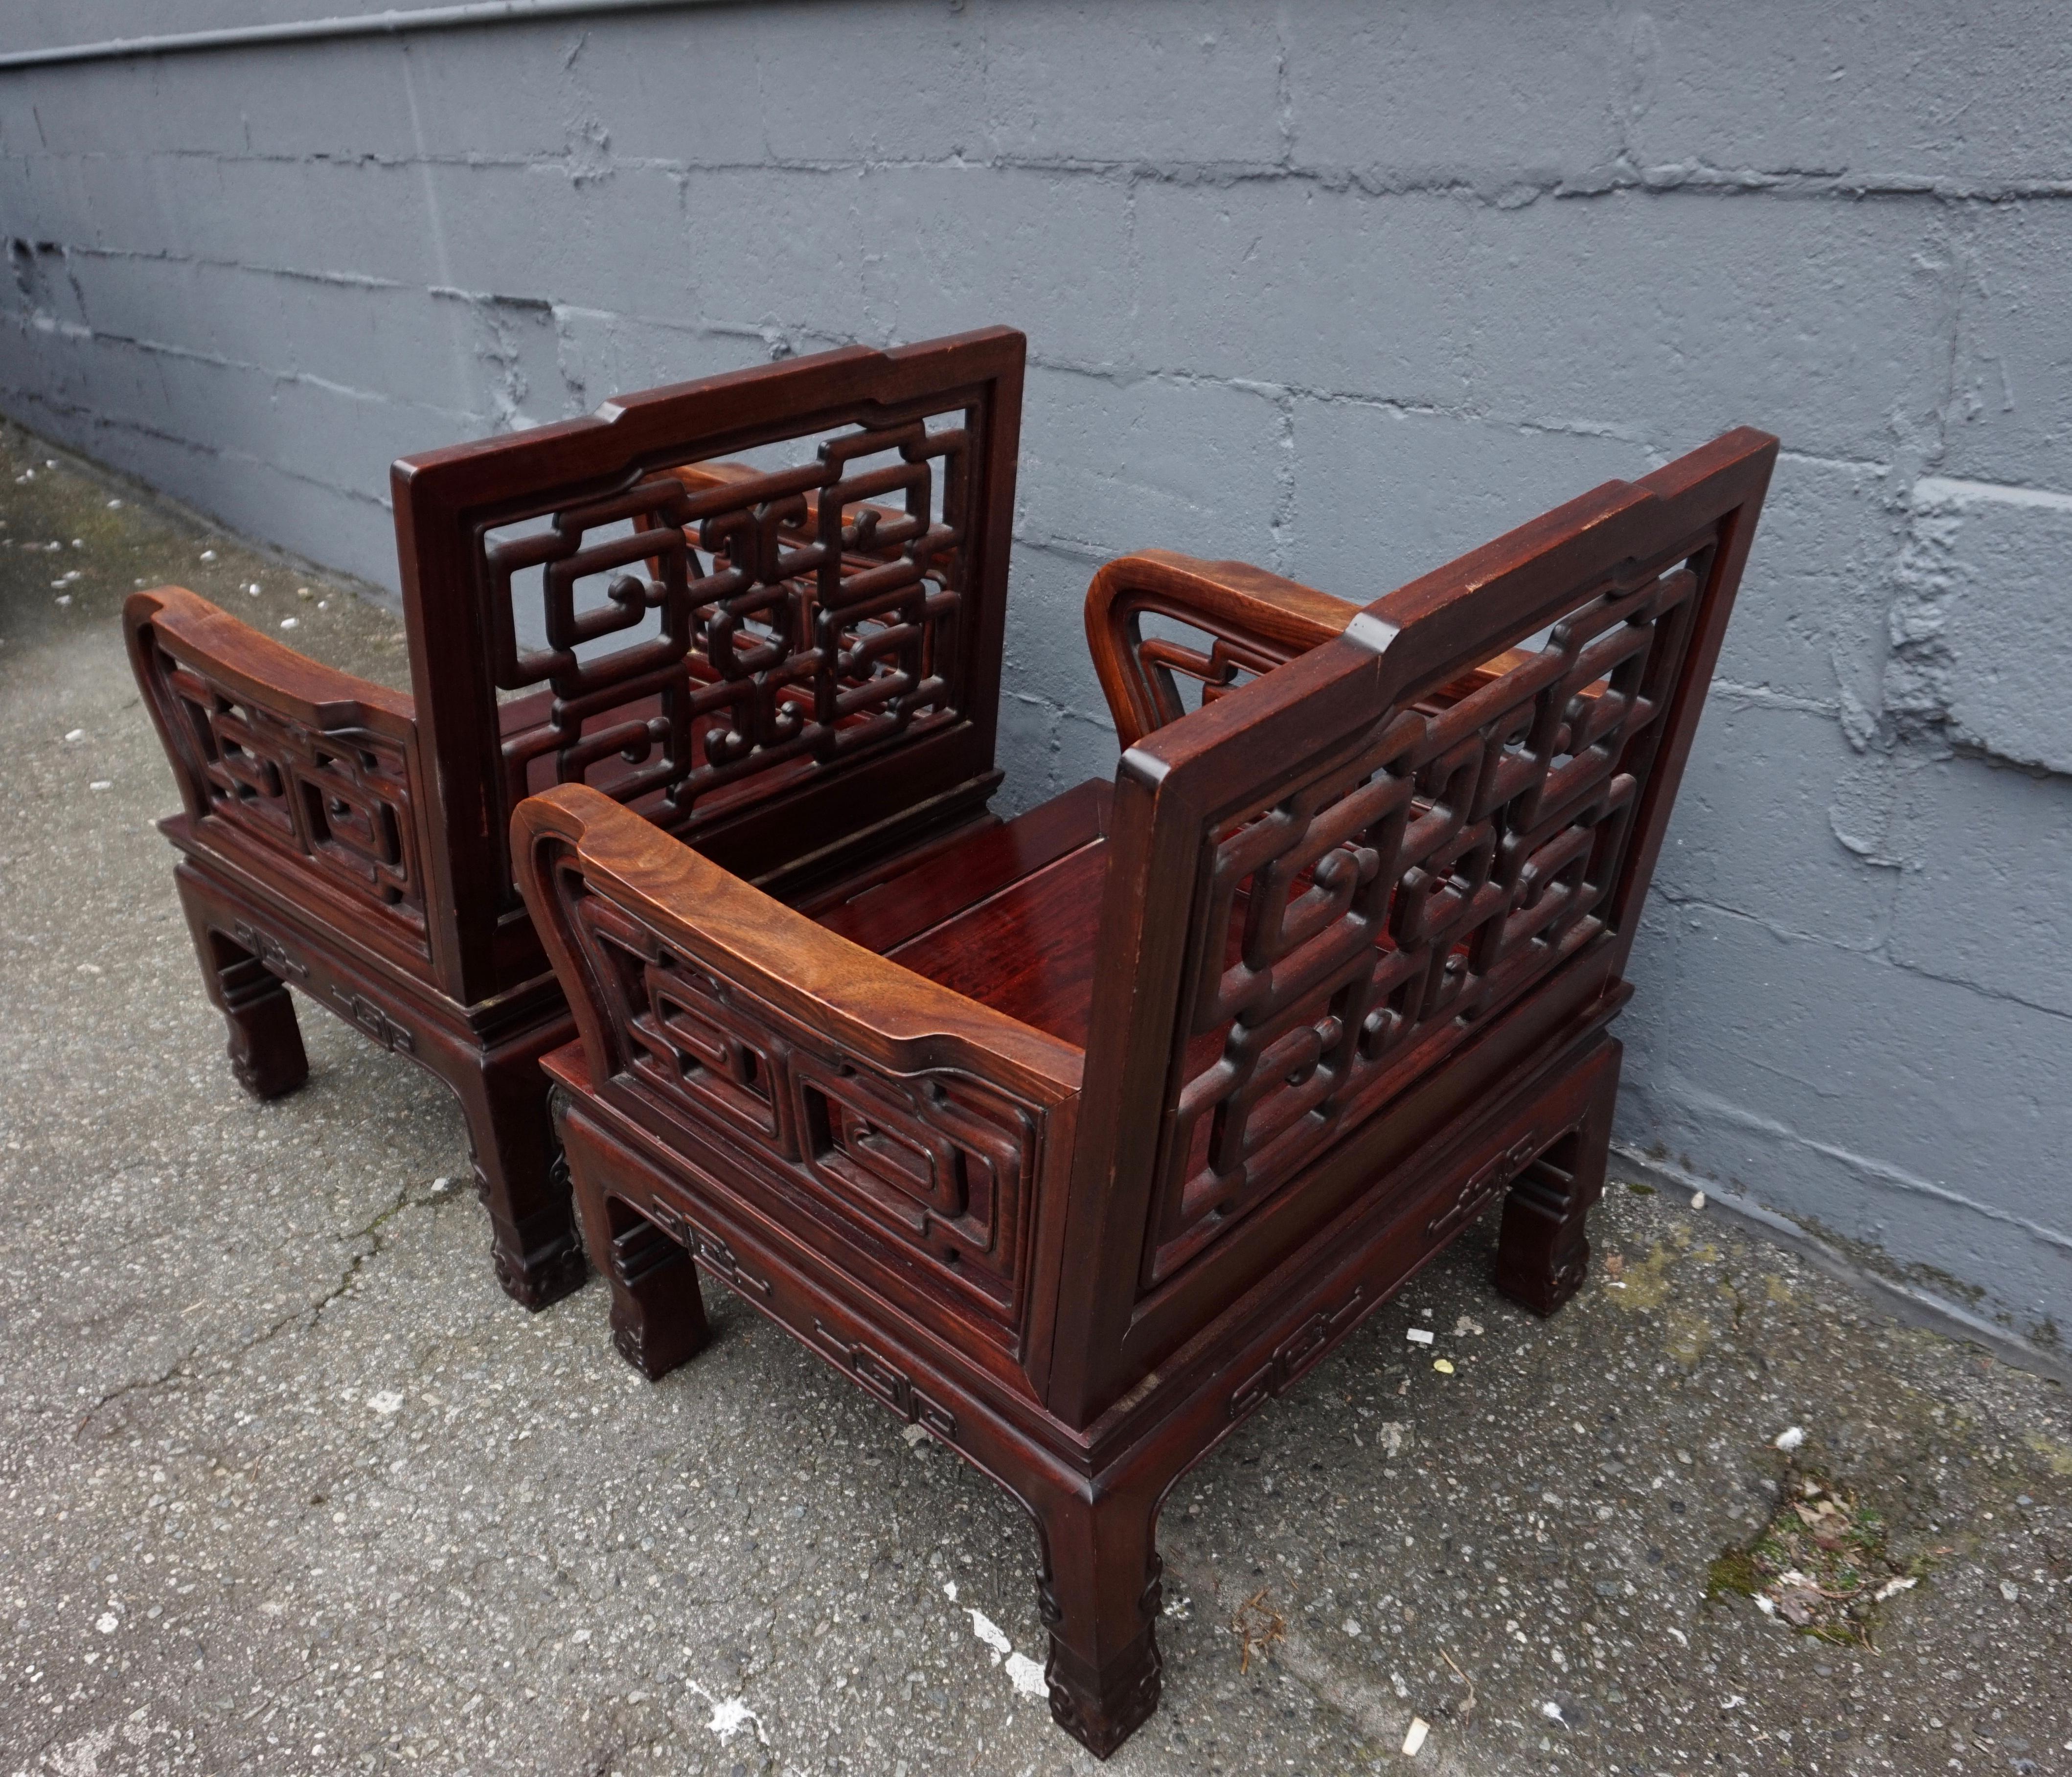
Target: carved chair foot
x,y
523,1180
658,1313
265,1047
1543,1251
542,1278
1542,1284
1101,1709
1099,1598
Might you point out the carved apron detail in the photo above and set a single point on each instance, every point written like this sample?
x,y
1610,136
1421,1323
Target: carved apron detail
x,y
1299,1353
376,1022
709,1250
889,1382
269,950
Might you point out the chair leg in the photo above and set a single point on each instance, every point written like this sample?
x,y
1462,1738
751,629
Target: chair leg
x,y
1542,1250
1100,1597
265,1048
658,1312
520,1175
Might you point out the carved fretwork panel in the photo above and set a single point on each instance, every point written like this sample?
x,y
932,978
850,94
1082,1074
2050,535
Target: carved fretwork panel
x,y
799,616
1349,931
939,1163
338,800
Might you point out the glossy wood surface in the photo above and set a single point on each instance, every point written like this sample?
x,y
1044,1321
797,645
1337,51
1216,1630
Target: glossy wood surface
x,y
1081,1139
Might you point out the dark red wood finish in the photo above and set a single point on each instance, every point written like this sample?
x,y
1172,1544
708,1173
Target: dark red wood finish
x,y
1083,1139
795,668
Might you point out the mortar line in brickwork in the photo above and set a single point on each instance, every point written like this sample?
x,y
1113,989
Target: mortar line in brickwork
x,y
1490,190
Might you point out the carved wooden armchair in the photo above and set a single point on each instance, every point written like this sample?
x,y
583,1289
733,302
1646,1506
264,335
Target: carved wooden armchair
x,y
1085,1140
796,669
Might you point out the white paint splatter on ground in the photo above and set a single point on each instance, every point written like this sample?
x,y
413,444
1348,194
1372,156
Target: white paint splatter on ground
x,y
729,1715
1027,1675
990,1633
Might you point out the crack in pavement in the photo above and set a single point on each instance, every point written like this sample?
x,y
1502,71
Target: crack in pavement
x,y
307,1315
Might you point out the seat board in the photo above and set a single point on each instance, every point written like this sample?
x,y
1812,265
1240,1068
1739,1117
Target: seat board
x,y
1006,916
1029,950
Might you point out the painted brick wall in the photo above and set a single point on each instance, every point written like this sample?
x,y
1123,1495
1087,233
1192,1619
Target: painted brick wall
x,y
1342,288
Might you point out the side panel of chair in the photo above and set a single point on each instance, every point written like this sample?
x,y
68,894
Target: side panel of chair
x,y
307,778
808,656
1331,880
907,1136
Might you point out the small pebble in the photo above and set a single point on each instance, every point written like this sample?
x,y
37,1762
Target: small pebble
x,y
288,623
1697,1200
114,505
208,555
252,590
101,783
304,592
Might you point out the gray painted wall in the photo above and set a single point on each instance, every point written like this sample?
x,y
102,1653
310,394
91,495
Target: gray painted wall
x,y
1344,288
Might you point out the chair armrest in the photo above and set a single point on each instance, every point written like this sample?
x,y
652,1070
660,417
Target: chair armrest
x,y
301,767
1256,619
864,1005
248,663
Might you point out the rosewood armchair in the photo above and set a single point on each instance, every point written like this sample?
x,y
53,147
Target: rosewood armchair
x,y
795,668
1081,1142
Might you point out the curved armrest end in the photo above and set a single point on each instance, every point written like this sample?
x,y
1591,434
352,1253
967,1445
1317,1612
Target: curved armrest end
x,y
244,663
1259,619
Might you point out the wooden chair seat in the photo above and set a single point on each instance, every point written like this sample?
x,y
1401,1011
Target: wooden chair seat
x,y
1076,1141
1007,916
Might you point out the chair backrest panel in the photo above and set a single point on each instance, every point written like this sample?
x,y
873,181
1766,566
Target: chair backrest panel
x,y
622,608
1331,878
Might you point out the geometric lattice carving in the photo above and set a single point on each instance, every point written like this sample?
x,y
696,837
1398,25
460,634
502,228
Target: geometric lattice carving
x,y
1300,1352
803,614
941,1164
339,799
890,1383
714,1253
1352,928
